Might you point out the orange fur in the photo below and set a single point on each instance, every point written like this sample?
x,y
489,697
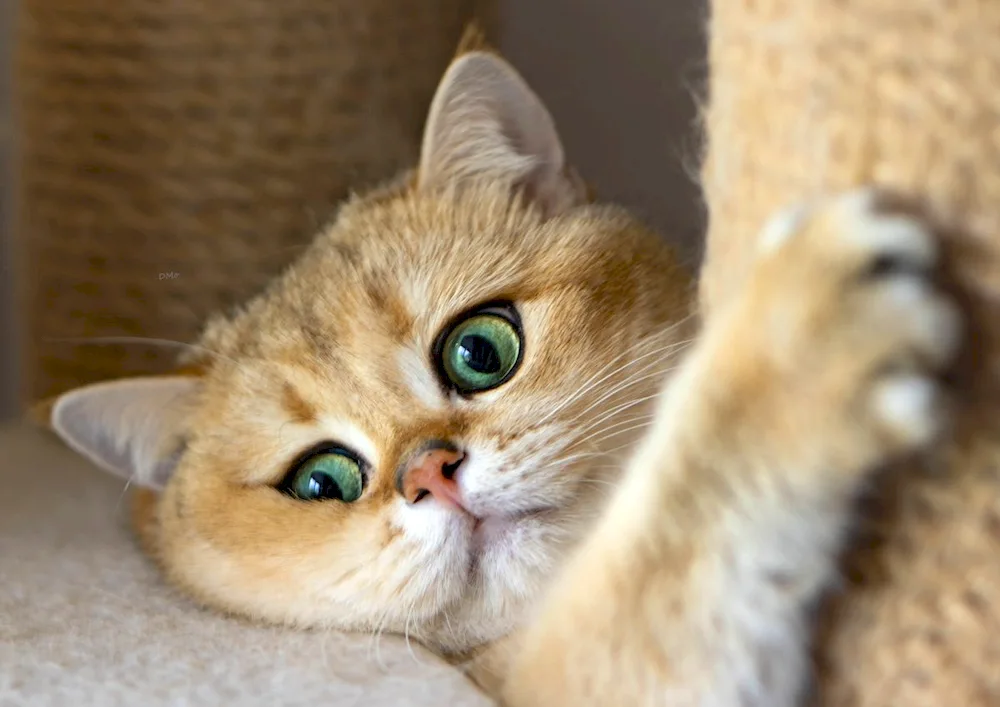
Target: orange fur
x,y
592,287
730,480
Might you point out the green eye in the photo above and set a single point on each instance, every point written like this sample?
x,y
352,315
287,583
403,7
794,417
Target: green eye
x,y
481,352
329,475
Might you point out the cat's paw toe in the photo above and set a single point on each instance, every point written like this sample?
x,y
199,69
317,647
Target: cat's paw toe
x,y
926,321
782,227
910,408
888,241
900,323
850,285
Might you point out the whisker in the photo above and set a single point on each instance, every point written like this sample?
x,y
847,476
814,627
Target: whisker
x,y
259,373
602,484
632,380
591,383
447,623
406,634
627,445
579,392
562,462
98,340
612,430
616,410
375,646
577,457
609,433
634,375
121,497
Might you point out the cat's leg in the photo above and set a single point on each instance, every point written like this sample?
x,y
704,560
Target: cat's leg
x,y
697,585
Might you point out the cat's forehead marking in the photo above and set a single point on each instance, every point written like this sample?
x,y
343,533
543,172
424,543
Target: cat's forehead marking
x,y
399,310
296,406
414,293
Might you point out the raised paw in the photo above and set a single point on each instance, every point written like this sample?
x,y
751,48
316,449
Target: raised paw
x,y
850,324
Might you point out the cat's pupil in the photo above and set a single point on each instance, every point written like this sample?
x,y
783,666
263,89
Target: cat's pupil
x,y
479,354
322,485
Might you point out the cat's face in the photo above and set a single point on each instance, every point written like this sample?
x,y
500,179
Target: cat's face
x,y
408,429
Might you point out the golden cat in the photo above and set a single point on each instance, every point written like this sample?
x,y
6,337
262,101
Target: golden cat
x,y
472,412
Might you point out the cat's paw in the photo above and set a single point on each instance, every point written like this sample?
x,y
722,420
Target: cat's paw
x,y
855,328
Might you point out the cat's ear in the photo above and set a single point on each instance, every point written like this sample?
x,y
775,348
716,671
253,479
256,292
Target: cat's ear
x,y
132,428
486,122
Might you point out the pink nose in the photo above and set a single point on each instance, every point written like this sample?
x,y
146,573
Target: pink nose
x,y
432,472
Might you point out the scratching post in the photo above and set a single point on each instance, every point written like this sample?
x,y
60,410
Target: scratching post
x,y
174,156
808,98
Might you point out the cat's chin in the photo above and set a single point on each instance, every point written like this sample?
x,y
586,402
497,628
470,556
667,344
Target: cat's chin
x,y
492,529
509,557
504,531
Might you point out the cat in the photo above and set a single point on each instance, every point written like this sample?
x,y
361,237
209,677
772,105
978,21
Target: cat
x,y
483,410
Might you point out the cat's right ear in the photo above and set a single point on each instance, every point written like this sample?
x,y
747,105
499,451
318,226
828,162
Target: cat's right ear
x,y
486,122
132,428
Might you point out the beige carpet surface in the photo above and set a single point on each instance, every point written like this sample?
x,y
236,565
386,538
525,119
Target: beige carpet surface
x,y
85,619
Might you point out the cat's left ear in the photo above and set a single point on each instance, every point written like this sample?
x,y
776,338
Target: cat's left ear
x,y
486,122
132,428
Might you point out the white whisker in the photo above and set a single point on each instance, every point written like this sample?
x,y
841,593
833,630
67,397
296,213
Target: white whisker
x,y
97,340
591,383
376,643
627,383
613,431
406,635
121,497
617,410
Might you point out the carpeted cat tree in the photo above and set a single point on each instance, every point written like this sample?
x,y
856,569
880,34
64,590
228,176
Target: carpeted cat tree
x,y
812,97
173,156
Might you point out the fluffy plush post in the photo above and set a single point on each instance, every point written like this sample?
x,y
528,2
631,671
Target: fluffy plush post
x,y
812,97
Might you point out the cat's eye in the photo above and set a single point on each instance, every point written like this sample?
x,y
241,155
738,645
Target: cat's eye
x,y
333,474
481,351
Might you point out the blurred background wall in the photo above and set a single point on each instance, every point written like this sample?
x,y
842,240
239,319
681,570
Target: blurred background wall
x,y
9,347
620,79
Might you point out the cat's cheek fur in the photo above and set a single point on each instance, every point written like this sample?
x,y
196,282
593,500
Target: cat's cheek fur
x,y
420,566
514,479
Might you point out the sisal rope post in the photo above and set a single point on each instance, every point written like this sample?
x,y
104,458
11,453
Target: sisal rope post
x,y
174,156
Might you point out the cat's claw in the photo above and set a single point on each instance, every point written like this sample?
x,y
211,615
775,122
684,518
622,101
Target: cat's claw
x,y
852,284
909,407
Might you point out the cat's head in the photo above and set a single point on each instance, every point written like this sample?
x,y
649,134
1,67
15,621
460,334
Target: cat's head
x,y
411,425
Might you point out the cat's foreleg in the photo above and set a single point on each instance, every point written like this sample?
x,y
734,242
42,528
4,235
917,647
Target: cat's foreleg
x,y
696,587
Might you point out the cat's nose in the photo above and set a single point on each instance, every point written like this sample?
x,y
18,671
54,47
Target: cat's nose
x,y
432,471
